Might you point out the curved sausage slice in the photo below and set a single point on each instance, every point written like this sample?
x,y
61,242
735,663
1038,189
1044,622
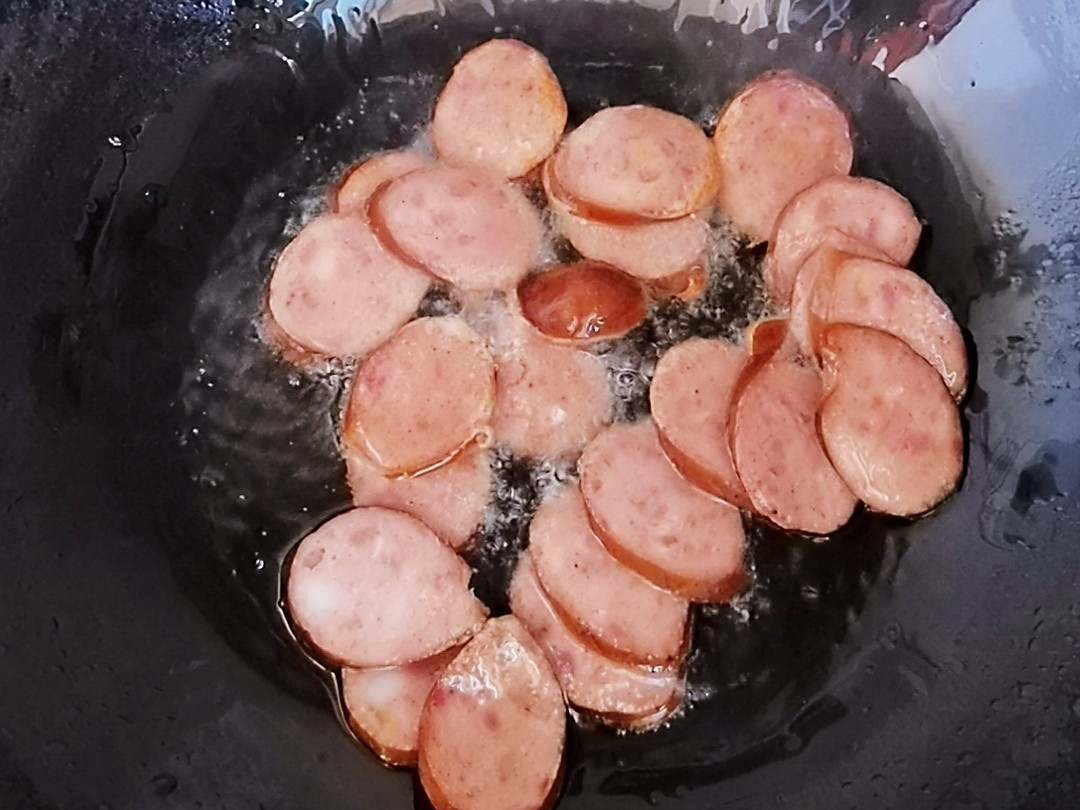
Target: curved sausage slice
x,y
450,499
623,615
628,164
383,705
862,209
779,135
360,182
332,270
657,523
494,726
582,302
376,588
621,695
464,226
501,110
894,300
888,422
421,397
776,449
690,396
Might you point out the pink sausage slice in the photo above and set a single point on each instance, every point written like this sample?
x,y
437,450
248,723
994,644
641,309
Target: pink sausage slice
x,y
360,182
383,705
421,397
882,296
623,615
450,499
690,396
502,110
376,588
776,449
627,697
332,270
779,135
862,209
654,521
629,164
464,226
494,726
888,422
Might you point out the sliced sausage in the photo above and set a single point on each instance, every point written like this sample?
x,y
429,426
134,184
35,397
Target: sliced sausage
x,y
494,726
623,615
360,182
687,285
882,296
635,163
862,209
383,705
620,695
376,588
502,110
888,422
332,270
779,135
582,302
689,397
776,449
450,499
464,226
653,520
421,397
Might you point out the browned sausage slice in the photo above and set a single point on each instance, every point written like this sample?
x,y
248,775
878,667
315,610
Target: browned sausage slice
x,y
493,728
621,695
464,226
690,396
888,422
623,615
501,110
332,270
375,588
654,521
779,135
882,296
360,182
862,209
776,449
383,705
450,499
628,164
421,397
582,302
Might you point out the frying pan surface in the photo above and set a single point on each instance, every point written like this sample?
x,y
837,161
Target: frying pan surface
x,y
158,463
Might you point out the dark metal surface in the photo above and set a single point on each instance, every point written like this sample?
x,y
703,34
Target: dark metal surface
x,y
141,663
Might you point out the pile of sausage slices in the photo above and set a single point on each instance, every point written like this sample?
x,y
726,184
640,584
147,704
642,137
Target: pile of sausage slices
x,y
848,394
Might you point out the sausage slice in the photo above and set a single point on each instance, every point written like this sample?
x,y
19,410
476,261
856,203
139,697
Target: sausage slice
x,y
776,449
635,163
502,110
376,588
625,696
779,135
862,209
360,182
421,397
582,302
383,705
888,422
690,396
894,300
332,270
494,726
653,520
464,226
450,499
623,615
